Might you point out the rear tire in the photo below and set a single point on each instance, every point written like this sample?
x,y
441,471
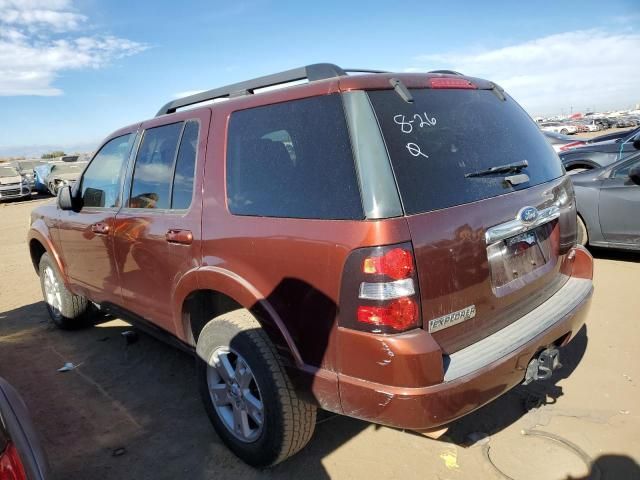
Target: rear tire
x,y
564,131
67,311
583,236
257,412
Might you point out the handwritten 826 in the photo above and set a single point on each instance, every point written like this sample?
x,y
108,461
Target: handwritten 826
x,y
422,119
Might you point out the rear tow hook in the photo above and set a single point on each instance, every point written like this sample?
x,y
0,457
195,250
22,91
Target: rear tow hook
x,y
542,366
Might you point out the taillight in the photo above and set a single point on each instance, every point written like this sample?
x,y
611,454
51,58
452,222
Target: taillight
x,y
10,464
451,82
379,290
396,263
400,314
571,145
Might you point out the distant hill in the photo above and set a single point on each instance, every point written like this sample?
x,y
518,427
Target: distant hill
x,y
35,151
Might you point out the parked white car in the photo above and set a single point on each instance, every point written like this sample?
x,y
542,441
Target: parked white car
x,y
558,128
13,185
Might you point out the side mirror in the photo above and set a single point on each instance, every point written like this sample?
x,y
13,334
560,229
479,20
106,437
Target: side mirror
x,y
634,174
65,199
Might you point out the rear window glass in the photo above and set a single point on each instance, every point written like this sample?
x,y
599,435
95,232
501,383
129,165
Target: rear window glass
x,y
445,134
292,159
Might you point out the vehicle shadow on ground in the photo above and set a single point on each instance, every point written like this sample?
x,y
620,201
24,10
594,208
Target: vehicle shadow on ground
x,y
130,410
619,255
513,405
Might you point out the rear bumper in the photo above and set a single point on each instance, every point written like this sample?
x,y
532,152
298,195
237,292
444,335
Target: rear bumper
x,y
481,372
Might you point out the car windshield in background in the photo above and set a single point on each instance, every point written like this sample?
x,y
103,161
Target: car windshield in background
x,y
29,164
447,134
8,172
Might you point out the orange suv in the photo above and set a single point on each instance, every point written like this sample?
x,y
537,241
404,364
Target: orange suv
x,y
399,248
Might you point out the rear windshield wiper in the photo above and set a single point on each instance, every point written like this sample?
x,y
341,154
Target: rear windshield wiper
x,y
508,168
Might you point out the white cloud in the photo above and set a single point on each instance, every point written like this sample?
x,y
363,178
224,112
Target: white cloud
x,y
581,69
55,14
39,39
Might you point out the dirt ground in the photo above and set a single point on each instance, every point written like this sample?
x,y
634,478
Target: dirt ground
x,y
142,398
587,135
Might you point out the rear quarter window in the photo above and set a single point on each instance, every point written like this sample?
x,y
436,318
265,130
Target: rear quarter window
x,y
294,160
445,134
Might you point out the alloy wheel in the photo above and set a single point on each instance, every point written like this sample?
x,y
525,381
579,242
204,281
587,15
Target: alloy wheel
x,y
235,394
52,292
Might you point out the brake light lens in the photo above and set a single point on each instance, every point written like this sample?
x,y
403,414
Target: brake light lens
x,y
571,145
379,292
396,263
400,314
449,82
10,464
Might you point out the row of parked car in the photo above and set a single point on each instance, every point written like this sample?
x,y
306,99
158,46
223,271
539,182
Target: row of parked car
x,y
588,124
22,178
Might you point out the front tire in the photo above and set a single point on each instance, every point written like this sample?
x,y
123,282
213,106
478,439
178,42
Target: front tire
x,y
247,394
564,131
68,311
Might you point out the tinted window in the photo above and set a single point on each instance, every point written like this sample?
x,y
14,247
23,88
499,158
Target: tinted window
x,y
101,180
292,159
153,173
445,134
185,165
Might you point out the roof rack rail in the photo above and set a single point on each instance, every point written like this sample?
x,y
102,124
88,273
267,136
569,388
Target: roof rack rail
x,y
317,71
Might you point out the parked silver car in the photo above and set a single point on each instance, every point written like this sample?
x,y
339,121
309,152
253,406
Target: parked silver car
x,y
608,201
12,184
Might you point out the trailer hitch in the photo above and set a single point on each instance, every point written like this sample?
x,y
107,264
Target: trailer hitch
x,y
542,366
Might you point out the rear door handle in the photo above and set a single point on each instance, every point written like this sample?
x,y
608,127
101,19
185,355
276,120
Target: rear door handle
x,y
101,228
183,237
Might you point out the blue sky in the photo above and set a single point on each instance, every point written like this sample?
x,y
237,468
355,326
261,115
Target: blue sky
x,y
72,71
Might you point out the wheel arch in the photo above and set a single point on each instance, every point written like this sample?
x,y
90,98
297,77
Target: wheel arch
x,y
582,163
213,291
39,244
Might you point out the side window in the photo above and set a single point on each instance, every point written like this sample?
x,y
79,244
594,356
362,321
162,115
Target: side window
x,y
153,171
101,181
623,172
292,159
185,167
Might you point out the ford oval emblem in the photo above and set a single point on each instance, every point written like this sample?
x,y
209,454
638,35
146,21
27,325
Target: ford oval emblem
x,y
528,215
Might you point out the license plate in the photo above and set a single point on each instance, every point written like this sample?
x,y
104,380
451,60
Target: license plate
x,y
517,256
